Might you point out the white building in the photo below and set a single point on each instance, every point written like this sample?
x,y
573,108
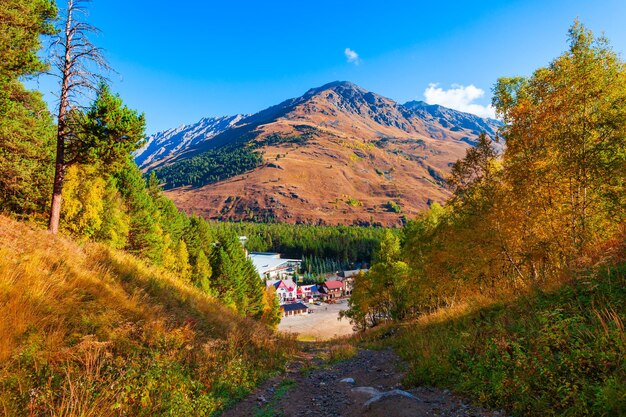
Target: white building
x,y
286,289
270,265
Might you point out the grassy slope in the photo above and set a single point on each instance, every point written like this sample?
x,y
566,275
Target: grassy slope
x,y
551,353
91,331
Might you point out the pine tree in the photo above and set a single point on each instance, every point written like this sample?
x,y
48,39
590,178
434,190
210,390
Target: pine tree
x,y
226,280
183,268
254,291
202,272
145,236
26,129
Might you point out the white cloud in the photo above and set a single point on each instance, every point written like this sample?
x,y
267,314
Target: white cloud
x,y
352,56
460,98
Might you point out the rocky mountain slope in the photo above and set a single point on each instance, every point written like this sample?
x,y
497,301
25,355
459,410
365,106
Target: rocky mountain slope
x,y
165,144
338,154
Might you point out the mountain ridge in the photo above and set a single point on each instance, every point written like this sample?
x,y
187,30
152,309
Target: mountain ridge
x,y
171,141
337,154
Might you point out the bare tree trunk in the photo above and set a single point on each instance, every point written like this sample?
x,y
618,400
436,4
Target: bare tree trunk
x,y
57,189
59,166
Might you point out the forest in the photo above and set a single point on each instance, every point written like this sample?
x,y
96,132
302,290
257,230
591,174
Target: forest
x,y
211,166
351,244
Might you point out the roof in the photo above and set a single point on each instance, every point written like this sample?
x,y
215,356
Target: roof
x,y
294,307
352,273
265,262
287,284
268,254
333,285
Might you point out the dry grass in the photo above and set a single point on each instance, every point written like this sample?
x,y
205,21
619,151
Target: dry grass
x,y
341,351
87,330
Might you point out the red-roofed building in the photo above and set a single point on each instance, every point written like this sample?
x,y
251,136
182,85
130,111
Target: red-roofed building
x,y
285,289
334,289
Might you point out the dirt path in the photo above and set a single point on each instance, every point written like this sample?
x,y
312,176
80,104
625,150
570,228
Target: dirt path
x,y
316,388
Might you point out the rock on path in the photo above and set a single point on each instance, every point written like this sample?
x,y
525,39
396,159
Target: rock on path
x,y
369,384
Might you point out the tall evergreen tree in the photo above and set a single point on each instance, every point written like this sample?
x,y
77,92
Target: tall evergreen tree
x,y
26,130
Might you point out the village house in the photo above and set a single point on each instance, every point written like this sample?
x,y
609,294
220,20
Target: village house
x,y
286,289
347,278
270,265
333,288
308,292
348,286
294,309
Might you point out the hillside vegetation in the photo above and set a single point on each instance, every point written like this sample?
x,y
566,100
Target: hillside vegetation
x,y
555,352
92,331
514,291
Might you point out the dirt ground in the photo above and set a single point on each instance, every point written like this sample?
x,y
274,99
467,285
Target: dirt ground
x,y
315,388
322,324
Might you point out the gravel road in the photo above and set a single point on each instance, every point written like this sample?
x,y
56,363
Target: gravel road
x,y
369,384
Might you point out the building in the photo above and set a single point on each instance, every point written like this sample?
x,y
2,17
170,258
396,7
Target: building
x,y
286,289
334,289
308,292
348,277
348,286
270,265
294,309
352,273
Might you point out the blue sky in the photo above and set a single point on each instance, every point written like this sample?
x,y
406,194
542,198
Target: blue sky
x,y
181,61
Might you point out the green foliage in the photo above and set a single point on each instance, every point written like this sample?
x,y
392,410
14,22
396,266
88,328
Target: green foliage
x,y
382,293
344,244
235,279
276,140
106,133
26,130
353,202
393,207
551,354
314,266
21,24
26,151
209,167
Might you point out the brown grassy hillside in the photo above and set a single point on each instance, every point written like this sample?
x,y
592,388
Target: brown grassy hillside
x,y
90,331
337,155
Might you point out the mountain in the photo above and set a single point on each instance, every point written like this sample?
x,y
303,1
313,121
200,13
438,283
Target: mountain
x,y
338,154
165,144
454,119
